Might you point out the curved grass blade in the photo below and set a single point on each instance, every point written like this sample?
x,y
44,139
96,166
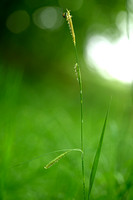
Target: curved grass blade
x,y
55,160
97,156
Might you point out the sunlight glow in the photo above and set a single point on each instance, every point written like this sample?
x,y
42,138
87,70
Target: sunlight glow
x,y
113,60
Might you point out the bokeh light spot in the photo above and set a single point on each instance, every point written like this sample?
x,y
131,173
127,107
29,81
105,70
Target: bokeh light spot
x,y
112,59
48,17
18,21
71,4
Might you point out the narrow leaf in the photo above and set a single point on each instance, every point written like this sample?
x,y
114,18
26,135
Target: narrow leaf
x,y
97,156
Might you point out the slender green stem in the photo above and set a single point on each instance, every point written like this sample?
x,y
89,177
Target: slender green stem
x,y
81,110
68,17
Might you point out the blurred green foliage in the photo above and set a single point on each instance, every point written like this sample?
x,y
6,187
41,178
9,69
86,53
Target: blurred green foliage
x,y
39,108
36,47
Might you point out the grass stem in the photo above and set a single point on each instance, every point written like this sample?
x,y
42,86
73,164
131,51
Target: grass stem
x,y
68,17
81,113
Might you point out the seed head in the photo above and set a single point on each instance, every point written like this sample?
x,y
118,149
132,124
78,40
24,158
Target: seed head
x,y
68,17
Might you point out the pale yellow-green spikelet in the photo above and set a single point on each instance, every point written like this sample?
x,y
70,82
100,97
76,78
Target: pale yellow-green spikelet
x,y
55,160
70,23
51,163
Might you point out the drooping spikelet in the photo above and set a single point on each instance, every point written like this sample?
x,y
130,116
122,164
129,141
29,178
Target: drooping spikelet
x,y
55,160
51,163
68,17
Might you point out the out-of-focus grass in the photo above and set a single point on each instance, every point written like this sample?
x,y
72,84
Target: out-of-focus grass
x,y
38,116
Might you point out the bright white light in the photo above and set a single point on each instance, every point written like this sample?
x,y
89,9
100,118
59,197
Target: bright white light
x,y
112,59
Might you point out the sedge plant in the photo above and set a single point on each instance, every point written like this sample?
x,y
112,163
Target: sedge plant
x,y
68,18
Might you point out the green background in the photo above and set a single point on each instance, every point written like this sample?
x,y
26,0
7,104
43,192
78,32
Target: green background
x,y
40,107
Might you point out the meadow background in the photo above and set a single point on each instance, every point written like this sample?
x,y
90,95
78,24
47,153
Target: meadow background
x,y
40,107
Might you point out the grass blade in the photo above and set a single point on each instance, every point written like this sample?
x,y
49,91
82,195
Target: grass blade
x,y
55,160
97,156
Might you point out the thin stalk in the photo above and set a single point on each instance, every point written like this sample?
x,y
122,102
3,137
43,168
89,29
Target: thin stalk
x,y
68,17
81,113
